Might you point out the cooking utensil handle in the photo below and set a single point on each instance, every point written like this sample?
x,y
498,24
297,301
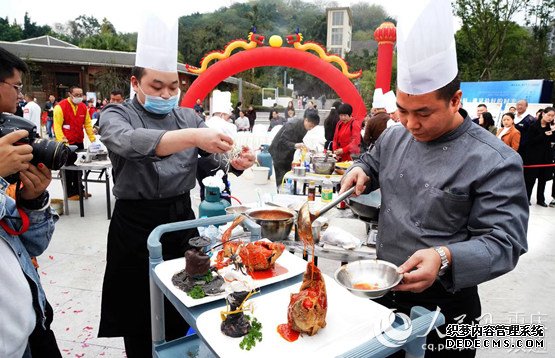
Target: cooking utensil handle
x,y
334,202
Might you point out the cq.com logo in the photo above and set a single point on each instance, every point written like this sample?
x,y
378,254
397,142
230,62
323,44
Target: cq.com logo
x,y
394,336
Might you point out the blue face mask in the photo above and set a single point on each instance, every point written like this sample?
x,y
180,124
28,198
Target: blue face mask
x,y
159,105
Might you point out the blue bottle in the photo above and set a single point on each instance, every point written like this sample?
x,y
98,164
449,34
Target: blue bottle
x,y
264,158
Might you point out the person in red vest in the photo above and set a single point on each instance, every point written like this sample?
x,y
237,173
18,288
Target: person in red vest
x,y
70,117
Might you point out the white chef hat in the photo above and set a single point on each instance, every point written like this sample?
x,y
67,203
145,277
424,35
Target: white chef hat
x,y
221,102
426,53
157,42
390,102
378,99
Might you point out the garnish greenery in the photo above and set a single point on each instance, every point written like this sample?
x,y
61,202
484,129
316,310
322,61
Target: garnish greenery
x,y
254,335
208,277
196,292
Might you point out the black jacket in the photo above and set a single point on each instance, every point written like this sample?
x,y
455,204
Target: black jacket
x,y
538,148
282,148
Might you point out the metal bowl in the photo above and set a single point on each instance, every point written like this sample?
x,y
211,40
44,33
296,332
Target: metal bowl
x,y
299,171
324,166
237,209
275,223
369,272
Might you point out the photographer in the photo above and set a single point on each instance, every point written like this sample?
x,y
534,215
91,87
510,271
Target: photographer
x,y
25,231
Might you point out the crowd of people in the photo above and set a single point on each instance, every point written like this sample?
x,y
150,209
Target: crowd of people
x,y
531,135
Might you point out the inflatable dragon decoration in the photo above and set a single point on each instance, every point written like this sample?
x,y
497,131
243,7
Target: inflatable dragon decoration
x,y
254,40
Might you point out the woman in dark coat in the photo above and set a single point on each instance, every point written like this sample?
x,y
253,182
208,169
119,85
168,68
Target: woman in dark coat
x,y
486,121
236,111
330,123
538,151
286,111
374,128
251,114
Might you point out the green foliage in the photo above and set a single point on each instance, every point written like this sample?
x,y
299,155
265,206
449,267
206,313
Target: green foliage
x,y
10,32
196,293
110,79
201,34
30,29
254,335
367,83
87,32
492,46
104,36
366,19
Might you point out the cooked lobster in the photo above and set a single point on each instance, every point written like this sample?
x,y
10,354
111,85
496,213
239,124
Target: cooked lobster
x,y
307,309
255,256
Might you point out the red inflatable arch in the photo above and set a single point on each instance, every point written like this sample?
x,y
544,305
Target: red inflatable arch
x,y
281,56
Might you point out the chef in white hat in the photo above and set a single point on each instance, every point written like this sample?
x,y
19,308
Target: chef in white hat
x,y
391,108
454,210
378,102
154,147
221,113
220,120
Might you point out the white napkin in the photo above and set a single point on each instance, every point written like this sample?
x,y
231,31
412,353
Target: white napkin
x,y
339,237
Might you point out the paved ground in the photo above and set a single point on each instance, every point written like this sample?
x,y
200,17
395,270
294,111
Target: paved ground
x,y
73,266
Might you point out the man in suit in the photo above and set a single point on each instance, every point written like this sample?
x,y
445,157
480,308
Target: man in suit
x,y
479,110
523,120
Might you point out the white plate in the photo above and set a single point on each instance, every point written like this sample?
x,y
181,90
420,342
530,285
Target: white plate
x,y
165,271
350,322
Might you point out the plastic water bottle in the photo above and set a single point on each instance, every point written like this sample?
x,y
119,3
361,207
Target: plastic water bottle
x,y
327,190
290,187
212,233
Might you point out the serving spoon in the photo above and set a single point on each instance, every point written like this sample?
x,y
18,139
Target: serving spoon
x,y
305,218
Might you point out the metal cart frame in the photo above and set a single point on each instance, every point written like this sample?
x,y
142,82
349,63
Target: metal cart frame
x,y
423,320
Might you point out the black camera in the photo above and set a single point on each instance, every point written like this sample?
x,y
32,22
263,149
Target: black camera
x,y
52,154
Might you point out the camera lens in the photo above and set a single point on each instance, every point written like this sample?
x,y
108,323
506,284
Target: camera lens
x,y
50,153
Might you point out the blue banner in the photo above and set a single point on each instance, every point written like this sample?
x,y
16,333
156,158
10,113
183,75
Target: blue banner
x,y
502,91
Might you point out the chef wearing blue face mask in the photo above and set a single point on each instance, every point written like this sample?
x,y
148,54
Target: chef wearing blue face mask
x,y
154,147
158,104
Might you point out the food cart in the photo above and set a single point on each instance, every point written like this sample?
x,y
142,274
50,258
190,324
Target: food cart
x,y
355,322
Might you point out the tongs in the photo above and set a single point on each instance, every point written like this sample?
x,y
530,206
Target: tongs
x,y
305,218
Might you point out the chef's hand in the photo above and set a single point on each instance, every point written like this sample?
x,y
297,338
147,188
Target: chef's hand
x,y
35,180
338,151
213,141
245,160
420,270
300,146
355,177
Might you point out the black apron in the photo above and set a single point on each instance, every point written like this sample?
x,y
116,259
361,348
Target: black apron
x,y
125,309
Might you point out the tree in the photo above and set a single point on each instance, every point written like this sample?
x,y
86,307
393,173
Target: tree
x,y
485,24
366,19
491,46
10,32
30,29
542,20
82,27
110,79
107,39
367,83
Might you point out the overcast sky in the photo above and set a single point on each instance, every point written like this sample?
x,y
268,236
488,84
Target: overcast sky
x,y
125,15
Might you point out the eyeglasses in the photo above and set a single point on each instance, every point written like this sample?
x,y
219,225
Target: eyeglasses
x,y
18,88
